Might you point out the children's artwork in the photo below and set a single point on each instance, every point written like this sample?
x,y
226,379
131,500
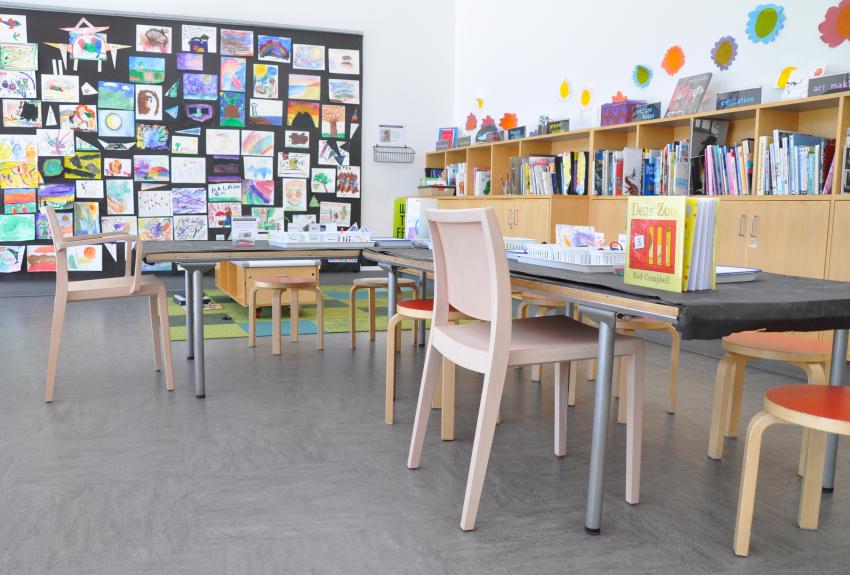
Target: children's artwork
x,y
222,142
154,203
258,168
344,91
155,230
257,143
266,112
188,170
13,28
333,153
226,167
17,84
11,258
19,175
348,182
258,192
85,258
80,117
305,87
308,57
174,90
232,109
296,139
86,218
19,201
673,60
152,137
189,200
152,38
146,70
51,167
148,102
126,224
641,76
225,192
116,124
265,81
18,57
301,222
765,22
83,166
333,121
274,48
184,145
269,219
116,95
89,189
190,227
198,112
42,227
117,168
232,74
236,42
18,148
200,86
338,213
220,214
797,81
21,113
151,168
199,39
343,61
60,195
55,142
724,51
63,88
293,165
294,195
323,181
119,197
41,259
302,115
190,62
834,30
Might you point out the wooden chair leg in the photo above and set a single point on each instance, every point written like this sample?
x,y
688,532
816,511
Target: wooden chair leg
x,y
157,340
562,379
352,317
634,431
320,317
719,411
574,365
276,322
447,415
733,419
165,330
430,375
252,317
623,401
591,374
294,315
59,305
390,382
810,495
437,402
815,375
371,314
749,476
522,310
675,348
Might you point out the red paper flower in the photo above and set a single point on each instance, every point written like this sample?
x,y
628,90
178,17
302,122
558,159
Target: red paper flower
x,y
508,121
471,122
487,121
835,27
619,97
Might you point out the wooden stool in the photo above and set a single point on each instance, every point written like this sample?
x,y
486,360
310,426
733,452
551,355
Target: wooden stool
x,y
373,284
294,285
819,410
811,355
421,309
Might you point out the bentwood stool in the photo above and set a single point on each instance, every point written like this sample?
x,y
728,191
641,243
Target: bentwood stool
x,y
818,409
294,285
372,284
811,355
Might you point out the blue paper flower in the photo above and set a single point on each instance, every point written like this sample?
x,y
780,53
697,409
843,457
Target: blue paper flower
x,y
642,76
765,22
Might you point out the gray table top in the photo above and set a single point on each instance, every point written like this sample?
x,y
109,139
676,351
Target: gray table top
x,y
216,251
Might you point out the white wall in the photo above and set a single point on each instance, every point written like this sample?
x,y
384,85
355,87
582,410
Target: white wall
x,y
515,55
403,44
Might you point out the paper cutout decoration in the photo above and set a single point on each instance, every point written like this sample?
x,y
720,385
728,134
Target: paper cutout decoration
x,y
585,98
782,80
724,52
172,91
564,90
173,111
116,146
87,42
83,146
352,128
835,28
314,203
673,60
88,90
479,102
508,121
641,76
619,97
51,117
471,122
765,22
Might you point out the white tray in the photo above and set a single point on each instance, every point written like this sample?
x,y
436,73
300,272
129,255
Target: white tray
x,y
323,245
590,269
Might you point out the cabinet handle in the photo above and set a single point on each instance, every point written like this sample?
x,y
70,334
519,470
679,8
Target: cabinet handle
x,y
510,218
742,225
753,230
516,216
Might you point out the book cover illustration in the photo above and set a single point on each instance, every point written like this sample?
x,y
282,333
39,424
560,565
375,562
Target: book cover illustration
x,y
656,242
688,95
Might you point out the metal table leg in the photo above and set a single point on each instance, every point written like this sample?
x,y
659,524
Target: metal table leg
x,y
392,287
198,305
189,305
601,411
836,377
423,293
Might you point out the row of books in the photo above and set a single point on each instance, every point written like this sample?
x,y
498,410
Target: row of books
x,y
641,172
546,175
728,170
846,174
791,163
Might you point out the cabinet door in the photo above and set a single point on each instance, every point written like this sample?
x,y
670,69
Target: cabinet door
x,y
609,217
838,267
733,232
499,205
789,237
531,218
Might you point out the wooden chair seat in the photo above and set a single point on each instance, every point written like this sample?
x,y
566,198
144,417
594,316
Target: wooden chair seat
x,y
285,282
423,308
382,282
778,346
108,288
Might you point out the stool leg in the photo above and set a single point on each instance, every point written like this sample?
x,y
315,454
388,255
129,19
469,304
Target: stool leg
x,y
562,371
352,327
389,396
371,314
749,476
447,416
734,415
320,317
815,375
720,409
622,384
571,399
276,322
252,317
810,496
675,347
294,315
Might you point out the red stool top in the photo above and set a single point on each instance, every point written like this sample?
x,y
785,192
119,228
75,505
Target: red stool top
x,y
422,304
779,342
817,400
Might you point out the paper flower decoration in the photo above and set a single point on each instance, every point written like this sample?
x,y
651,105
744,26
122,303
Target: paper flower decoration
x,y
835,27
508,121
724,52
479,102
619,97
471,122
782,80
488,121
564,90
765,22
585,98
642,76
673,60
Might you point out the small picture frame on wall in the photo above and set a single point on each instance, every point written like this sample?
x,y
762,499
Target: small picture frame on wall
x,y
449,134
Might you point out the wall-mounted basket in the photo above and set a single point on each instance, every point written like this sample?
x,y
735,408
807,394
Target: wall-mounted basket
x,y
393,154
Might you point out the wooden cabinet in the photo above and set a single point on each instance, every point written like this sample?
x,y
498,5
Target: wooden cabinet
x,y
732,222
608,215
838,264
529,218
789,237
237,278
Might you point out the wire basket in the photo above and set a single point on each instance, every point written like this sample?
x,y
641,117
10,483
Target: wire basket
x,y
393,154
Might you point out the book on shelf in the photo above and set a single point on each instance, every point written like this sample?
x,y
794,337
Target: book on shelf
x,y
546,175
481,183
793,163
845,168
456,176
627,172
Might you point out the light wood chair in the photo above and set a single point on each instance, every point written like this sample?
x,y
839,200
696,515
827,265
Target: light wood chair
x,y
372,284
819,410
131,284
471,274
542,306
278,284
811,355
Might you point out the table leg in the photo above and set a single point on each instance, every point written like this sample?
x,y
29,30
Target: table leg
x,y
198,305
601,412
423,293
189,303
392,288
836,377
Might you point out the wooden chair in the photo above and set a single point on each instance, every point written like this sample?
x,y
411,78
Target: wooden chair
x,y
819,410
471,274
542,306
131,284
811,355
372,284
278,284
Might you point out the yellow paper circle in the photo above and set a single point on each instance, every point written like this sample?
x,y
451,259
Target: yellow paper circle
x,y
564,90
585,97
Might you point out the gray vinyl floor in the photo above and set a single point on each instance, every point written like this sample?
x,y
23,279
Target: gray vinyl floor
x,y
287,467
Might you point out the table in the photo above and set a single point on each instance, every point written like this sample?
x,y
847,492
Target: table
x,y
196,257
774,302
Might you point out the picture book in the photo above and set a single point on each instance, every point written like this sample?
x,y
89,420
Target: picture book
x,y
688,95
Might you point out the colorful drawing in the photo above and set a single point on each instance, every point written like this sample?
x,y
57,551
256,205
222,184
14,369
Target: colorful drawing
x,y
220,214
83,166
189,200
190,227
89,189
344,91
333,121
18,148
146,69
55,142
119,197
155,230
236,42
222,142
337,213
41,259
269,219
64,219
19,201
64,88
765,22
232,74
80,117
151,168
173,111
85,258
258,192
257,143
265,112
188,170
148,102
126,224
333,153
227,166
834,29
51,167
60,195
188,61
86,218
117,167
21,113
274,48
83,146
323,181
302,222
225,192
11,258
87,42
232,109
308,57
296,139
116,95
116,124
19,175
305,87
13,28
265,81
151,38
198,112
293,165
199,39
724,51
258,168
348,182
343,61
200,86
154,203
152,137
18,57
184,145
294,194
17,84
641,76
